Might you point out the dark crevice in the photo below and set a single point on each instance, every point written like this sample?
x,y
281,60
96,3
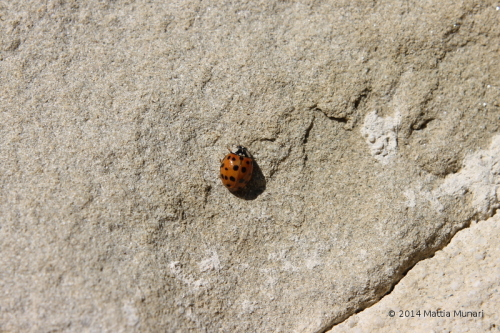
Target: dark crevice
x,y
308,130
361,97
340,120
422,124
267,139
306,138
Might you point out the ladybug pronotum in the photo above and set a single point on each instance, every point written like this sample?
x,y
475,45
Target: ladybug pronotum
x,y
236,169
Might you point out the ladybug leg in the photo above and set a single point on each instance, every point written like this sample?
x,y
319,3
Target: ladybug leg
x,y
229,149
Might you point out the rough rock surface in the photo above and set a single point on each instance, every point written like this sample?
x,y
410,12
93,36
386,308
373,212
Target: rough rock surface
x,y
455,291
374,126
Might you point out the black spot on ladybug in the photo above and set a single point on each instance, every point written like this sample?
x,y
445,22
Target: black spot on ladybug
x,y
235,167
233,159
248,162
228,185
229,157
226,169
232,179
225,177
243,169
241,181
222,165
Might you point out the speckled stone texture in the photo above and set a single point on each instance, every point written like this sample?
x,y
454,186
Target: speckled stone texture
x,y
374,127
458,290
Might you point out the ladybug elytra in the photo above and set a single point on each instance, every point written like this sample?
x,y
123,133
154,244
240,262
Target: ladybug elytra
x,y
236,169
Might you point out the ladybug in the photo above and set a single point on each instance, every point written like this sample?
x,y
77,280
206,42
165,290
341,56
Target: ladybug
x,y
236,169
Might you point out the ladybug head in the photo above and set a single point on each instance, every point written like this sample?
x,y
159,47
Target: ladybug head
x,y
242,151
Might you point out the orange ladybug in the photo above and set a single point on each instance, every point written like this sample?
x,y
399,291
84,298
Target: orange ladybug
x,y
236,169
